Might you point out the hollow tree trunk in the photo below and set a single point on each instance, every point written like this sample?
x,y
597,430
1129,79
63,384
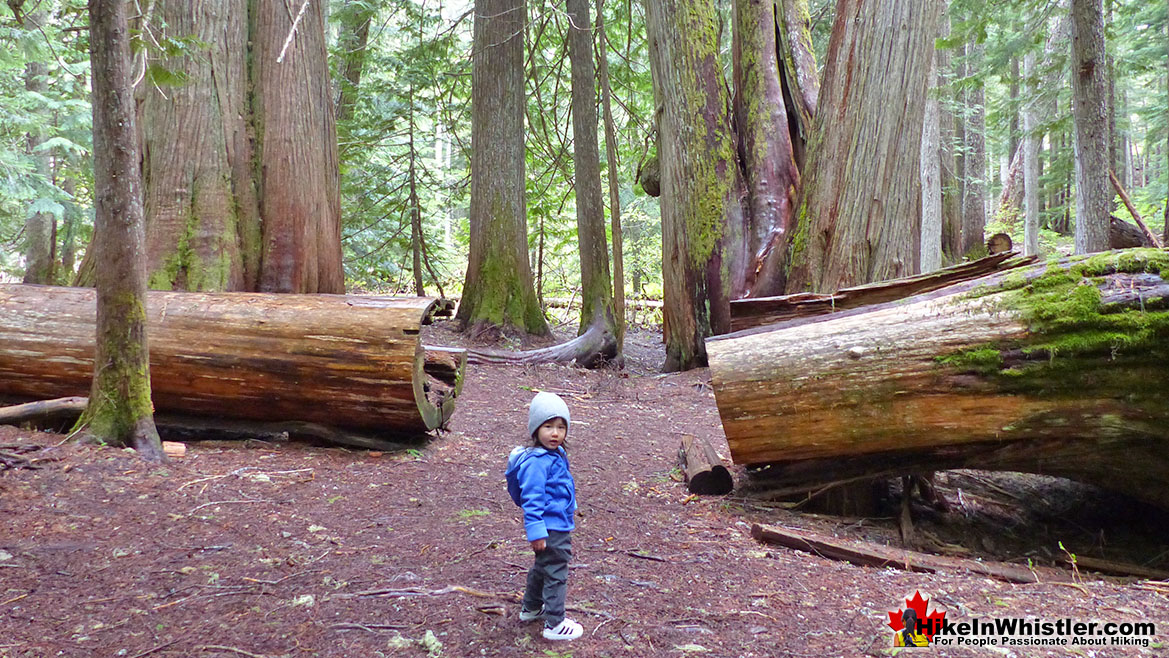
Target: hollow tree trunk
x,y
1052,369
859,214
341,361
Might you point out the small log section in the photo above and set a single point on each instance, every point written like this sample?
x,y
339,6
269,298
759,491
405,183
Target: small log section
x,y
1059,368
350,362
702,468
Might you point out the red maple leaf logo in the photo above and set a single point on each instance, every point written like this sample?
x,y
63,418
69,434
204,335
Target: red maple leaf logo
x,y
931,621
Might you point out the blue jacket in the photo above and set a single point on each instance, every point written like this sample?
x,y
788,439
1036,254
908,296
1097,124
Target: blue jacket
x,y
545,490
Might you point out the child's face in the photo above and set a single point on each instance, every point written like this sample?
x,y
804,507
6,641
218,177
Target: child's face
x,y
551,434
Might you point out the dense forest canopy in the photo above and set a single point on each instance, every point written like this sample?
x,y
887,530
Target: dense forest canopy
x,y
400,87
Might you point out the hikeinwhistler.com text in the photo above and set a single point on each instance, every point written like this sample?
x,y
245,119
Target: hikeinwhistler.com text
x,y
1033,632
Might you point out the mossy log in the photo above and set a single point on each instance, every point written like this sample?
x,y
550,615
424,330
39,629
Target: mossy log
x,y
349,362
1059,368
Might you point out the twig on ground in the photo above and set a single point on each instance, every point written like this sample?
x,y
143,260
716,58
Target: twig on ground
x,y
224,502
216,647
280,580
153,649
645,556
372,628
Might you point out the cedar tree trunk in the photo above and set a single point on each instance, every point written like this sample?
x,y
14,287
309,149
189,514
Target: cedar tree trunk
x,y
498,290
861,201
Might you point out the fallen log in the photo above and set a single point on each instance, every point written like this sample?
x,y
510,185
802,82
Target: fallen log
x,y
43,411
868,554
760,311
595,347
1060,369
1136,216
702,469
342,362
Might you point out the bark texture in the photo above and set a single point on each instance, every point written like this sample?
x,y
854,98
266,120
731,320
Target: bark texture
x,y
974,162
700,180
765,148
1058,368
859,212
596,285
931,178
341,361
498,291
1090,113
120,410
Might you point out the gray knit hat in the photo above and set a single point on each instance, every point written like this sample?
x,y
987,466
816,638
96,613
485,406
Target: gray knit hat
x,y
546,406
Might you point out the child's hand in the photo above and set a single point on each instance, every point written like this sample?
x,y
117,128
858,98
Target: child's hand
x,y
539,545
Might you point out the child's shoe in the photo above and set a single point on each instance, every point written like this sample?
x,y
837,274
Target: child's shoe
x,y
531,615
565,630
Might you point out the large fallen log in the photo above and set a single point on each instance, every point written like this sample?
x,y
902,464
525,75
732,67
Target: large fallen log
x,y
350,362
1060,368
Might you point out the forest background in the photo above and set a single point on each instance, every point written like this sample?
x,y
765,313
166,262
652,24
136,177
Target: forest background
x,y
400,91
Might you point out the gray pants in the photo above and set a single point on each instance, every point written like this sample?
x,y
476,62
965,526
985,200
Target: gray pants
x,y
548,578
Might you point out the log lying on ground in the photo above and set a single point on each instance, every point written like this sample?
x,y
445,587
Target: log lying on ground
x,y
702,468
596,346
348,362
761,311
868,554
1060,368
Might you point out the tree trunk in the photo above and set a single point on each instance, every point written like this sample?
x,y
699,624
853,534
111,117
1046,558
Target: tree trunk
x,y
353,21
120,411
614,182
765,149
799,75
240,161
859,214
1090,112
415,207
1030,162
596,286
1054,369
341,361
951,178
72,216
498,291
974,198
931,177
702,220
39,227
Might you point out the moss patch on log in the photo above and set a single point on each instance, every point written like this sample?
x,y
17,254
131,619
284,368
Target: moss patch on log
x,y
1071,327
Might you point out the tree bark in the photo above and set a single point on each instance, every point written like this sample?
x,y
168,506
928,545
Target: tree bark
x,y
596,285
799,75
614,182
859,214
1058,369
39,227
120,411
1030,162
353,22
974,197
702,219
931,177
1090,112
765,148
342,361
951,178
498,292
702,469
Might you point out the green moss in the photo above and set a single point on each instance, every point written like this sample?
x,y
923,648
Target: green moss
x,y
986,359
1070,329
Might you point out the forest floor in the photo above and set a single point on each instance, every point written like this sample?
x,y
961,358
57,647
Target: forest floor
x,y
277,548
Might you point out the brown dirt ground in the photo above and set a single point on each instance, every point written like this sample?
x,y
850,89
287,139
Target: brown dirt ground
x,y
285,549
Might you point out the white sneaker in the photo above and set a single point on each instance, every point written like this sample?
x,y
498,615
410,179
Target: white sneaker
x,y
565,630
533,615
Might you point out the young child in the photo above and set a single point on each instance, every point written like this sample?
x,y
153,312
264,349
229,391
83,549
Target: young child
x,y
539,481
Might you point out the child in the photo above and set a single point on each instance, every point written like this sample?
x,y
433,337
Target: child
x,y
539,481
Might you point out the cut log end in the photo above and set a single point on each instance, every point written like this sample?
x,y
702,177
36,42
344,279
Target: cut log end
x,y
702,468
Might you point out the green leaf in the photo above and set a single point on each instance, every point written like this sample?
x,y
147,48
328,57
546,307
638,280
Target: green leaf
x,y
46,206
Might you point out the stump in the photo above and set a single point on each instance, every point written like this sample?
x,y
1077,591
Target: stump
x,y
702,468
